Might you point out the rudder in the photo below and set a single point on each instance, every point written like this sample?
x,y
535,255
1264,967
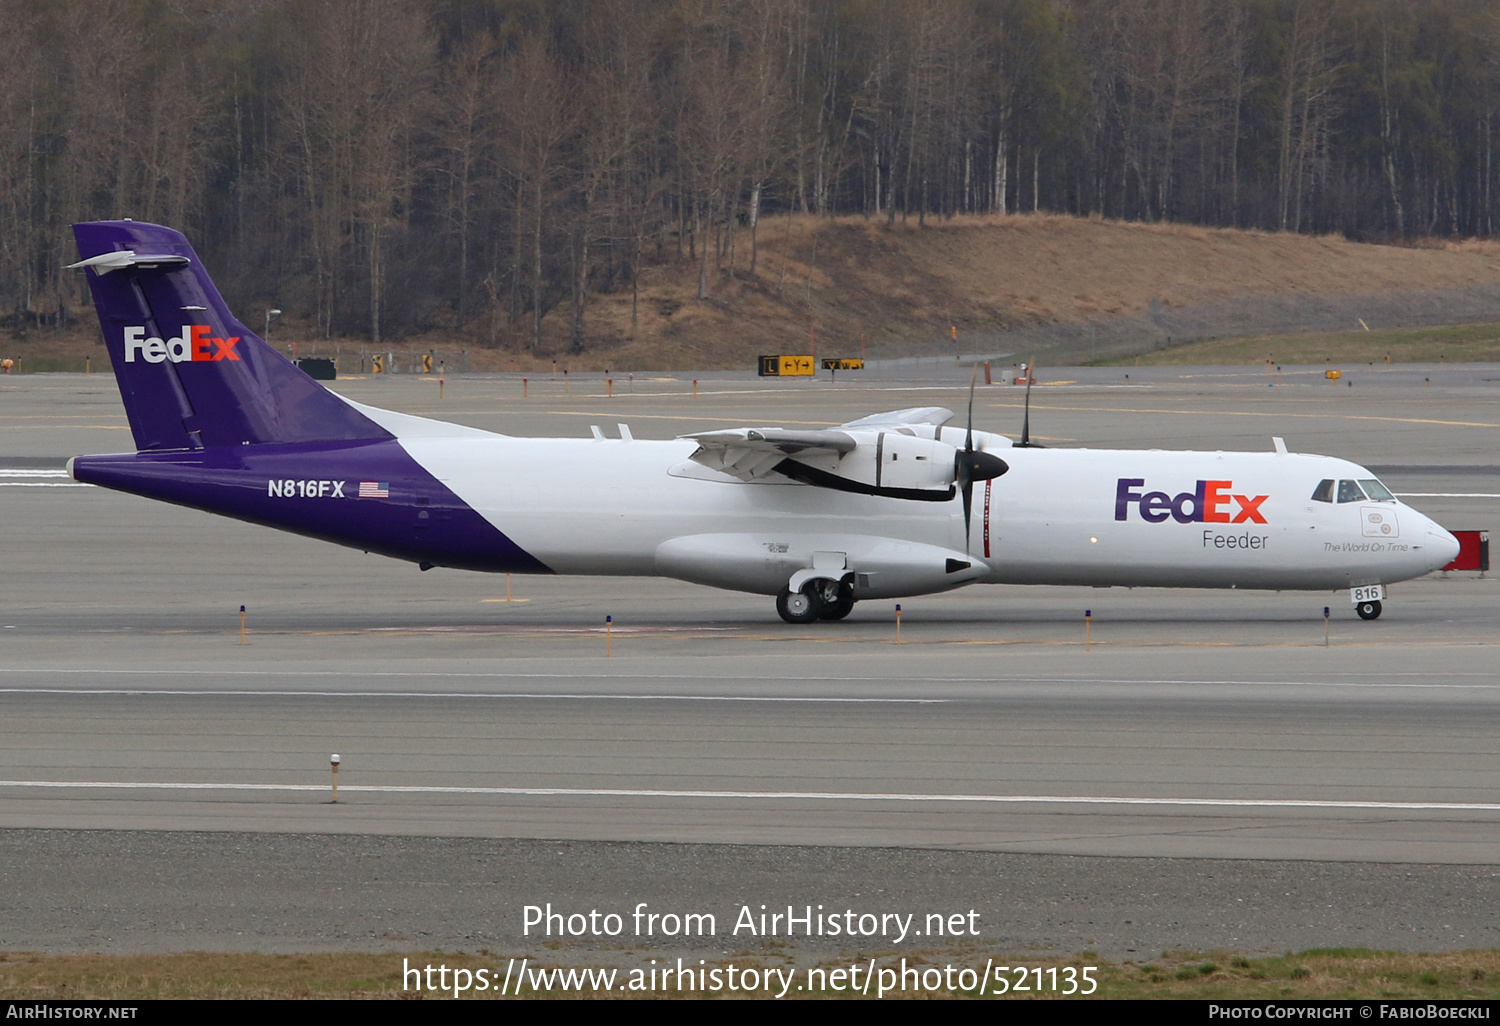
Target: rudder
x,y
190,374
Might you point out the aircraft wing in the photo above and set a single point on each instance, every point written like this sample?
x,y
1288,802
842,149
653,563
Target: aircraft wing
x,y
897,455
933,416
752,453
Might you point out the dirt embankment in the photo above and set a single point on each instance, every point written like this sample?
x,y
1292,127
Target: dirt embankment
x,y
904,288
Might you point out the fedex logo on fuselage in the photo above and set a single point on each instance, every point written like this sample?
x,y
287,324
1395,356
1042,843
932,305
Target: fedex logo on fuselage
x,y
194,345
1207,504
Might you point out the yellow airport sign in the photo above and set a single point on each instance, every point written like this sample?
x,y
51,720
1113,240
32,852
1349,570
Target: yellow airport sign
x,y
786,366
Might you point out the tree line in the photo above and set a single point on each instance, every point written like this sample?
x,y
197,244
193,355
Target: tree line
x,y
390,166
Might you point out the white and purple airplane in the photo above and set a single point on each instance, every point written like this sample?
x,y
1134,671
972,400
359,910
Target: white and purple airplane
x,y
892,505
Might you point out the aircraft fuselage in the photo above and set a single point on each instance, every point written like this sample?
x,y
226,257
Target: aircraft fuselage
x,y
622,507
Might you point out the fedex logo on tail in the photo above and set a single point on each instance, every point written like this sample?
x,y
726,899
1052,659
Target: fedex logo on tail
x,y
194,345
1208,504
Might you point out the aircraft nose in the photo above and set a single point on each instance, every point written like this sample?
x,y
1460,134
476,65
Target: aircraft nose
x,y
1442,547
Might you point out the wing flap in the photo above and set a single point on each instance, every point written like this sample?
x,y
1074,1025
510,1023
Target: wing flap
x,y
753,453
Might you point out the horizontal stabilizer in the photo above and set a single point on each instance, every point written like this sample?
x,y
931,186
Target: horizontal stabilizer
x,y
106,262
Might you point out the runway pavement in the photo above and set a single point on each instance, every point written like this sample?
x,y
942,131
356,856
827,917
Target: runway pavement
x,y
144,891
1196,725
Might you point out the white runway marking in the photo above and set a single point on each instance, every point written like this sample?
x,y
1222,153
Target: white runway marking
x,y
961,389
16,472
465,694
814,796
1425,682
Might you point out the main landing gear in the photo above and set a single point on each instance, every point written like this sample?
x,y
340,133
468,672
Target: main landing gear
x,y
799,606
1368,610
841,604
820,599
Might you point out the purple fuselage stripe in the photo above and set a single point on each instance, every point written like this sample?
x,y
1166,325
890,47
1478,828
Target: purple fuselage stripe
x,y
312,489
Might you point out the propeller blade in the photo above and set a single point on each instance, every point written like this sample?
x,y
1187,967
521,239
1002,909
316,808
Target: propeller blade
x,y
966,486
970,466
969,438
1026,442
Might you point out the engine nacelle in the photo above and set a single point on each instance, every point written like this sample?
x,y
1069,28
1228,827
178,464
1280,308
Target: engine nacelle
x,y
917,460
877,567
888,463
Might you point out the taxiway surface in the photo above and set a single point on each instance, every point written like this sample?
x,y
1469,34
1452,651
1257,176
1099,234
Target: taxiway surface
x,y
1195,725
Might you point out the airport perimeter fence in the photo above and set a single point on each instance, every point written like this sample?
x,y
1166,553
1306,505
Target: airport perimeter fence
x,y
1057,344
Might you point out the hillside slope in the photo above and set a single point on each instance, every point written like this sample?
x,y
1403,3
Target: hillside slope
x,y
903,288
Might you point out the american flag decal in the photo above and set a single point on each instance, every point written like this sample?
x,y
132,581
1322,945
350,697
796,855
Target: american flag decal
x,y
374,490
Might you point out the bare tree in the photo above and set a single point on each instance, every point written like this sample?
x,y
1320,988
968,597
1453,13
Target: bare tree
x,y
465,132
712,137
768,29
1390,118
21,125
614,121
1192,64
1236,68
1308,75
538,116
360,70
105,50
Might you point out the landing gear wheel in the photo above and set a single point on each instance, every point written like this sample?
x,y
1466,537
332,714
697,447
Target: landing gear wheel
x,y
839,606
1368,610
800,606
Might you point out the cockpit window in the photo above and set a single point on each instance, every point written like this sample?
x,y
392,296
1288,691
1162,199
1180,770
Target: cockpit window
x,y
1349,491
1324,491
1375,490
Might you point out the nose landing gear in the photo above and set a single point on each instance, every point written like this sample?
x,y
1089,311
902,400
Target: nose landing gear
x,y
1368,610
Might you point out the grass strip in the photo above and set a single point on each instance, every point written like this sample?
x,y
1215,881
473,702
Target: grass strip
x,y
1317,974
1454,343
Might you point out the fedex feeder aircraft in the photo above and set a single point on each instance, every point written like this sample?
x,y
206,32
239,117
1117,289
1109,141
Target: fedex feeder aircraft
x,y
893,505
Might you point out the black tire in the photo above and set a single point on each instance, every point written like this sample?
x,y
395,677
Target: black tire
x,y
841,606
801,607
1368,610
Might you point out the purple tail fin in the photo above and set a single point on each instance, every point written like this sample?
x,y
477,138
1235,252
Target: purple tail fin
x,y
191,375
